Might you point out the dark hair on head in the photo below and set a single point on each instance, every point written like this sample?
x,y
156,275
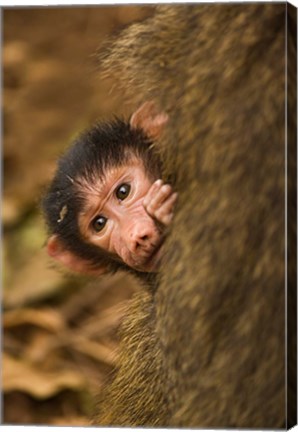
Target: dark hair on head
x,y
97,149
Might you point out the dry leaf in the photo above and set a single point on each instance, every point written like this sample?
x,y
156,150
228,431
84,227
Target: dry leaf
x,y
48,319
95,350
21,376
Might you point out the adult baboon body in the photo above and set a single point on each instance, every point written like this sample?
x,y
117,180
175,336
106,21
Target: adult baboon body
x,y
206,348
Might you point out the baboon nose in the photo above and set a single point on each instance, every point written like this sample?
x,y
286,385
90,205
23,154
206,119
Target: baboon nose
x,y
141,241
141,236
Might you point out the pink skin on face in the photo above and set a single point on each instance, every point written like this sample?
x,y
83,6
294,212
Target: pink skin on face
x,y
128,231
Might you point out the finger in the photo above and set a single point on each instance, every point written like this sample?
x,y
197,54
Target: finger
x,y
159,198
165,212
152,192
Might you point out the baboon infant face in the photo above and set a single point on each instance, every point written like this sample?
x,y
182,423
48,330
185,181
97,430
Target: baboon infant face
x,y
126,214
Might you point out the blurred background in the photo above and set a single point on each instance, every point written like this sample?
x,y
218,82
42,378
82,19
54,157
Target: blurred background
x,y
59,331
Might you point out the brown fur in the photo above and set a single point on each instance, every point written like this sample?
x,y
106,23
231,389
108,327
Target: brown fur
x,y
206,349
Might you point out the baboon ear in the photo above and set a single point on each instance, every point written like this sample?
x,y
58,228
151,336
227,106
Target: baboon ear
x,y
149,120
60,253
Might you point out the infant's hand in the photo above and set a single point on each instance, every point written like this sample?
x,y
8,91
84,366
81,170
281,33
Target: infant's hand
x,y
159,202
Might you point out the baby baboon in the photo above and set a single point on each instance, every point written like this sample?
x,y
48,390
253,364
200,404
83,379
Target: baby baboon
x,y
106,208
207,347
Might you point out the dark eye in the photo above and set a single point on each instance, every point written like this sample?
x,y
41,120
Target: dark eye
x,y
123,191
99,223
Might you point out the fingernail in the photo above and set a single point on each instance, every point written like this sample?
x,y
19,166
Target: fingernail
x,y
165,188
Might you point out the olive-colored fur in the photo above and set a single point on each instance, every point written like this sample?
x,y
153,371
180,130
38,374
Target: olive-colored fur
x,y
207,347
